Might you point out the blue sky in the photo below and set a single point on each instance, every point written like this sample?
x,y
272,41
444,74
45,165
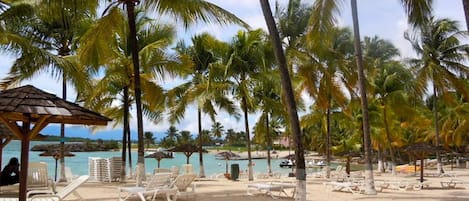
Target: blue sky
x,y
383,18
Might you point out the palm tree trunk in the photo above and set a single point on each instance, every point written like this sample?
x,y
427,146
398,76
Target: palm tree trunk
x,y
125,131
289,99
129,148
328,143
130,5
439,165
62,132
465,4
269,143
388,138
248,139
201,141
369,181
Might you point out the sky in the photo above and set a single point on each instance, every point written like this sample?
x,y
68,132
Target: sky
x,y
384,18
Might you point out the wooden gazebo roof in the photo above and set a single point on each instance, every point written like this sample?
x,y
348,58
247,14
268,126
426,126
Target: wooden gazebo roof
x,y
32,106
14,103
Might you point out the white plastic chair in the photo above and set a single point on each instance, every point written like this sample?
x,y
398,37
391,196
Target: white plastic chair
x,y
62,193
159,183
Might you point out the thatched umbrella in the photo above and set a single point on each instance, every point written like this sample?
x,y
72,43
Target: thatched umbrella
x,y
421,151
30,105
159,155
349,155
56,155
187,149
227,155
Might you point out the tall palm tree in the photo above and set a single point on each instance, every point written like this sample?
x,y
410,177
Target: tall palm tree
x,y
56,26
289,97
323,72
189,12
441,62
149,139
205,88
243,63
113,53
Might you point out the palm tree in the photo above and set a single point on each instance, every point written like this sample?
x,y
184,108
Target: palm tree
x,y
289,100
112,53
465,4
149,139
243,63
189,12
441,63
205,88
323,71
55,26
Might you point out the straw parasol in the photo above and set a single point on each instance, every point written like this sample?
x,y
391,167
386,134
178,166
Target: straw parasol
x,y
187,149
159,155
56,155
227,155
421,151
32,106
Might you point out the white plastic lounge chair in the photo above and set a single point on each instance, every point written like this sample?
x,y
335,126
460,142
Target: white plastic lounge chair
x,y
183,182
270,187
159,183
38,178
62,193
352,187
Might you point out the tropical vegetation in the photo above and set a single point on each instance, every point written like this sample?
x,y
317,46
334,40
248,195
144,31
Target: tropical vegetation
x,y
307,79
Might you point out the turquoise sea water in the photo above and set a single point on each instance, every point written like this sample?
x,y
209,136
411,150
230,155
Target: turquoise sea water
x,y
79,163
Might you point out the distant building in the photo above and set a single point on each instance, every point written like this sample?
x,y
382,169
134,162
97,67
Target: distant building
x,y
283,141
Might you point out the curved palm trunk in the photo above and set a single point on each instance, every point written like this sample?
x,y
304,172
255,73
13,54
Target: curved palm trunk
x,y
439,165
369,181
269,143
125,131
248,139
130,5
388,137
201,153
289,100
129,148
465,4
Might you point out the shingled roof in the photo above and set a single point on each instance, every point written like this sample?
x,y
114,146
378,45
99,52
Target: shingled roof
x,y
15,103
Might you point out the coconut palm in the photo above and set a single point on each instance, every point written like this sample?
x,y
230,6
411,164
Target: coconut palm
x,y
441,63
465,4
294,123
113,53
243,63
323,72
55,27
189,12
149,139
205,88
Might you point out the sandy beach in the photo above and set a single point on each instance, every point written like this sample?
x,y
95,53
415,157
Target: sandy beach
x,y
223,189
219,188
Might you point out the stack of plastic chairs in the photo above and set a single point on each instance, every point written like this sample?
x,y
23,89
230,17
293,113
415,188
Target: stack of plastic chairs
x,y
115,166
98,169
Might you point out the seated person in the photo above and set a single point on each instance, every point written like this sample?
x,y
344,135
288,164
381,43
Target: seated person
x,y
10,173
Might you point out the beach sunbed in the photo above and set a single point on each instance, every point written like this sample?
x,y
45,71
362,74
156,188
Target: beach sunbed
x,y
62,193
351,187
38,178
183,183
159,183
270,187
453,182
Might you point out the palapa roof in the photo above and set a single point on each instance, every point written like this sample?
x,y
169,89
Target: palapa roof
x,y
15,103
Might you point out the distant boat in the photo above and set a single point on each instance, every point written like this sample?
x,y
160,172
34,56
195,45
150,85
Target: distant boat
x,y
287,164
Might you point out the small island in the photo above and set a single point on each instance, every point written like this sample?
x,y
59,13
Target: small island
x,y
77,145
